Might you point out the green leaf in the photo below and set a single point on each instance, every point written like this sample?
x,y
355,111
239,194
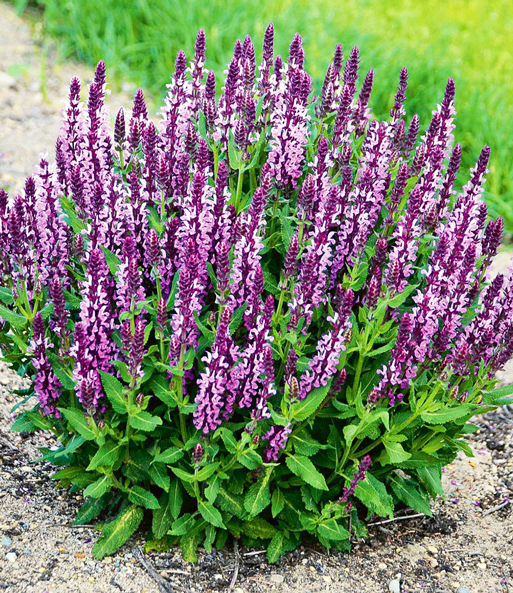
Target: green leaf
x,y
407,493
249,458
108,455
117,532
277,502
499,396
275,549
169,456
394,453
229,440
14,319
184,524
308,406
66,379
145,421
91,508
302,466
183,475
143,498
258,497
160,388
431,478
237,317
115,392
304,444
286,232
23,423
212,490
112,260
6,295
99,488
210,514
399,299
446,415
205,472
158,473
374,496
162,517
259,528
331,530
79,422
231,503
175,497
382,350
189,547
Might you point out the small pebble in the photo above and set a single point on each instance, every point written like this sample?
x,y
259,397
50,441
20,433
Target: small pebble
x,y
382,566
277,578
395,586
6,541
432,550
11,557
462,590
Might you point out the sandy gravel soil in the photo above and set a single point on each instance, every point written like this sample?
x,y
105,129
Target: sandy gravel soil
x,y
466,546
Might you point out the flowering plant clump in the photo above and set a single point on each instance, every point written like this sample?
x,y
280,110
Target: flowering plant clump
x,y
267,315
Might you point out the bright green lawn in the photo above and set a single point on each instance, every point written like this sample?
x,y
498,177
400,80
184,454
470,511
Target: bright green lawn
x,y
466,39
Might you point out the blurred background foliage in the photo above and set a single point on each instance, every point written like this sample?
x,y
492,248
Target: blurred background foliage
x,y
470,40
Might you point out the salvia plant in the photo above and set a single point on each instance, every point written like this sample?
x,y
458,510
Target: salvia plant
x,y
266,315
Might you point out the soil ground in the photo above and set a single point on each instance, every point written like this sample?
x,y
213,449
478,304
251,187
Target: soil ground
x,y
465,546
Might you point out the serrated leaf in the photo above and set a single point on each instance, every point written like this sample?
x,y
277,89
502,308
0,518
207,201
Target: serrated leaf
x,y
249,458
117,532
446,415
160,388
183,475
399,299
159,474
102,485
115,392
304,444
258,497
189,547
162,517
431,478
112,260
407,493
259,528
231,503
145,421
275,548
331,530
205,472
210,514
277,502
171,455
302,466
14,319
79,422
91,508
374,496
394,453
65,379
143,498
212,490
108,455
23,424
184,524
308,406
229,440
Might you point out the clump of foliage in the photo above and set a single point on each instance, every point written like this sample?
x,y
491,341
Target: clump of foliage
x,y
268,315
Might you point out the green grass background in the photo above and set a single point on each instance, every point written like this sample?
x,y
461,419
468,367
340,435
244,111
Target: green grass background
x,y
467,39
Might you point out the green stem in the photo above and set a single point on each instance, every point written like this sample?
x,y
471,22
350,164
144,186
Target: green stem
x,y
239,190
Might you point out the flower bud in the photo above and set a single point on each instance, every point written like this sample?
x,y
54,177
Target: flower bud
x,y
197,453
